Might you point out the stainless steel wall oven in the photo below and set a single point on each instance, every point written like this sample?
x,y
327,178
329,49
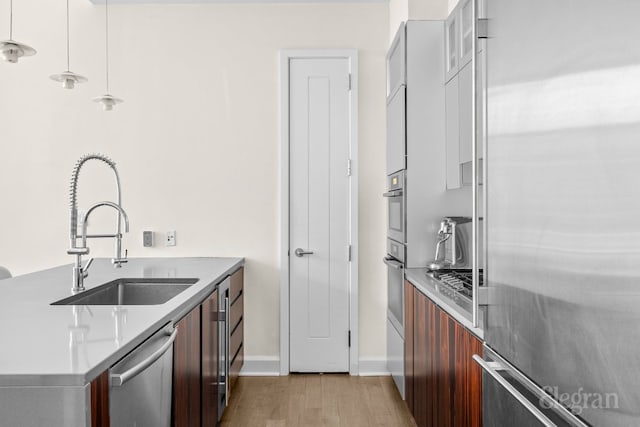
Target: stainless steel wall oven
x,y
395,259
396,207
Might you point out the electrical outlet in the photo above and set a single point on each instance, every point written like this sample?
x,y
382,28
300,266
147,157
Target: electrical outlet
x,y
171,238
147,239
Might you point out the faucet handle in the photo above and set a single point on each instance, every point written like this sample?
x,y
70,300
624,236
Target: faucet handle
x,y
119,261
85,271
78,251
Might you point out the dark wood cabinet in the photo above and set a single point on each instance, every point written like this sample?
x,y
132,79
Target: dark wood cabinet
x,y
209,357
236,322
408,344
187,371
100,401
443,384
195,362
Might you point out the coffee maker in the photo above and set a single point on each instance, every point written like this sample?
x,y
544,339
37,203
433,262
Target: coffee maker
x,y
454,242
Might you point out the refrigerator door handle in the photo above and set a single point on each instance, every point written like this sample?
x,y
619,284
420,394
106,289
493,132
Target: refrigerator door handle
x,y
491,368
497,363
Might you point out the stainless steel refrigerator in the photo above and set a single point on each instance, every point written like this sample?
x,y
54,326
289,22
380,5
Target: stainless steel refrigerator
x,y
562,213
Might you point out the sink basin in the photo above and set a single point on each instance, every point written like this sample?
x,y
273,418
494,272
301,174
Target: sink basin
x,y
130,292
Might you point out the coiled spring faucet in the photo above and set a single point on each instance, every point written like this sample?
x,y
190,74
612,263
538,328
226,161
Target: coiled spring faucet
x,y
79,272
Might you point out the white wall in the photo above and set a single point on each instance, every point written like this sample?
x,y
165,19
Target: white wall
x,y
402,10
196,141
398,13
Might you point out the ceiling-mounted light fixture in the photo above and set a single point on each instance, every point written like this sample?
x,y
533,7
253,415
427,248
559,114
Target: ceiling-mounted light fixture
x,y
68,78
11,50
107,100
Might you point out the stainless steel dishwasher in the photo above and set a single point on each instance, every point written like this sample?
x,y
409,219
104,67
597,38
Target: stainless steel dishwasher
x,y
140,383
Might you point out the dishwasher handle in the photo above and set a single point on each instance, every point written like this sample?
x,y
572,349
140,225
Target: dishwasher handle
x,y
118,380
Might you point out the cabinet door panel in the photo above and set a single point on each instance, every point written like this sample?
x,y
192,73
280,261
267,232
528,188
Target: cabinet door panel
x,y
100,401
466,31
237,310
187,371
408,344
234,369
396,62
474,382
396,131
210,360
465,103
236,287
236,340
452,133
451,45
425,349
445,369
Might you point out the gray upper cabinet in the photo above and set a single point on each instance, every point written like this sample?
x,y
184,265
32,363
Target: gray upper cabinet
x,y
396,62
466,32
459,92
396,131
451,45
451,91
465,99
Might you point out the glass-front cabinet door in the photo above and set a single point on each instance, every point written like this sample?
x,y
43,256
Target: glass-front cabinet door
x,y
466,31
451,40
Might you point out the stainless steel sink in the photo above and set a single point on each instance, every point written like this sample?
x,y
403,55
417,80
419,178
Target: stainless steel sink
x,y
131,292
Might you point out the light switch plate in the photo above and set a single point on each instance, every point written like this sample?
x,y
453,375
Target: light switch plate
x,y
171,238
147,239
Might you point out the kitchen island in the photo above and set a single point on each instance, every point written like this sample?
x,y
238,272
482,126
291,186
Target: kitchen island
x,y
51,353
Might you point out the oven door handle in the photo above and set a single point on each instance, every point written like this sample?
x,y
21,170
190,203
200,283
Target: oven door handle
x,y
393,263
396,193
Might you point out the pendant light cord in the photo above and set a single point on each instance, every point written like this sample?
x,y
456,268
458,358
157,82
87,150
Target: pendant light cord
x,y
68,43
10,19
106,20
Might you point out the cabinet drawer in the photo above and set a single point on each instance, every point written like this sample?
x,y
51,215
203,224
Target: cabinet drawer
x,y
236,286
236,365
237,309
236,340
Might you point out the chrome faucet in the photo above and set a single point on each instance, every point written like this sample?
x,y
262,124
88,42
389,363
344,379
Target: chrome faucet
x,y
79,272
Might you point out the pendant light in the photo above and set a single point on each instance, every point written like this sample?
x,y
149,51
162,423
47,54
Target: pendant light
x,y
68,78
11,50
107,100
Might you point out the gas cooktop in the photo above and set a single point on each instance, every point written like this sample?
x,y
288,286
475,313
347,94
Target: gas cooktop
x,y
456,282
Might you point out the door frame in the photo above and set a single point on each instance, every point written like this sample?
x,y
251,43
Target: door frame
x,y
286,55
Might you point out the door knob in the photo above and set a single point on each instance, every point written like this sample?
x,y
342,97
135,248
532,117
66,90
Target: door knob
x,y
300,252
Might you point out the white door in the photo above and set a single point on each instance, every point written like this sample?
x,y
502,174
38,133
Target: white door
x,y
319,214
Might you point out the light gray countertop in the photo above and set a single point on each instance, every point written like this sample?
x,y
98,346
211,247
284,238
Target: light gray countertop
x,y
57,345
457,308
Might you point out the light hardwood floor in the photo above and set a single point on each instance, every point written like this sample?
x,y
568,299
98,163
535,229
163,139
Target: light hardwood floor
x,y
316,400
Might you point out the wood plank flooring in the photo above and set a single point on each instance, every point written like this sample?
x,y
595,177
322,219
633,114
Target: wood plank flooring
x,y
325,400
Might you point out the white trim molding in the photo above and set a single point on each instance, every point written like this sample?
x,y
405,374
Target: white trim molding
x,y
260,366
285,57
374,367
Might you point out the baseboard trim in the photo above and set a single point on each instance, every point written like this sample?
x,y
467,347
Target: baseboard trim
x,y
269,366
261,366
373,367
